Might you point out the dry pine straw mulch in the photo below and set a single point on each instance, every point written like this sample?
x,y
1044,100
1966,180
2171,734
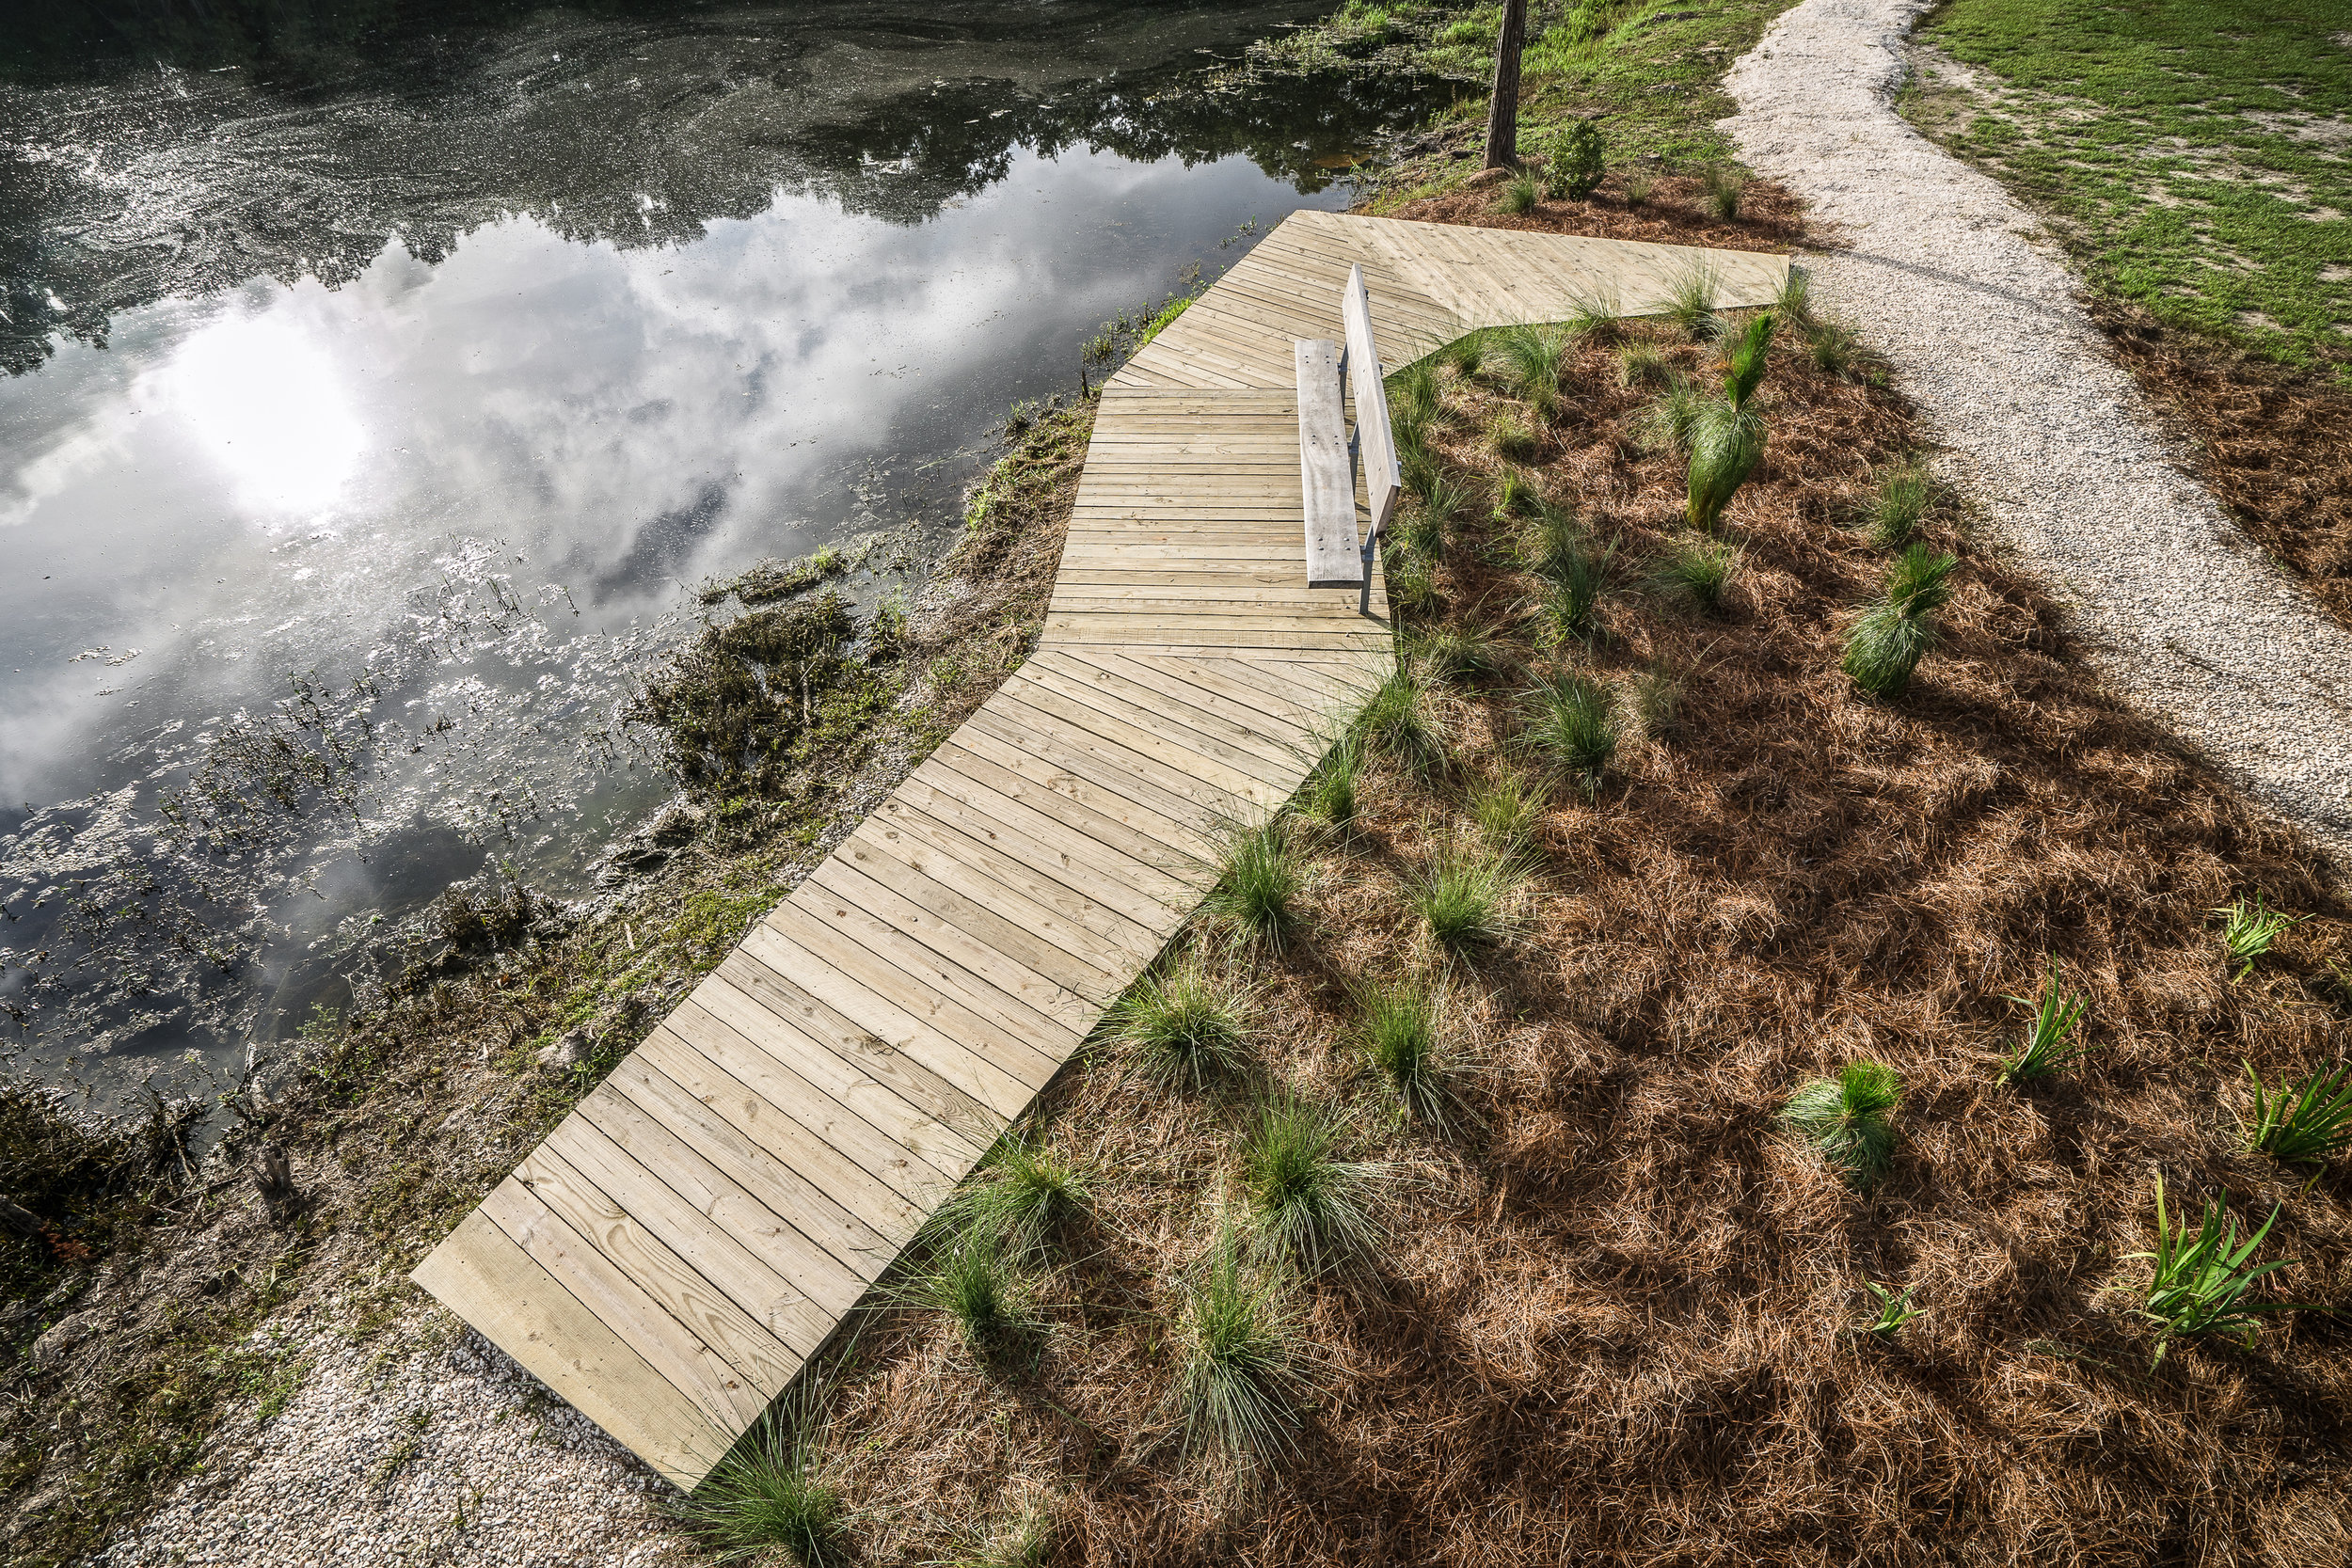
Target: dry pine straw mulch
x,y
1613,1321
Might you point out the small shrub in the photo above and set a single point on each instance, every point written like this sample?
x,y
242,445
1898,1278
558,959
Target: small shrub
x,y
1184,1028
1637,186
1574,726
2049,1045
2250,931
1237,1377
1521,195
1533,356
1886,645
1306,1203
1845,1118
1329,797
1899,504
1574,160
1256,899
1466,894
1511,437
2199,1279
1396,1030
1699,571
1670,423
1722,186
1396,723
2307,1119
1894,1311
767,1494
1691,303
1507,810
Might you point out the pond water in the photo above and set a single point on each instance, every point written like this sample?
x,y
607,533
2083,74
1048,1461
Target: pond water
x,y
378,395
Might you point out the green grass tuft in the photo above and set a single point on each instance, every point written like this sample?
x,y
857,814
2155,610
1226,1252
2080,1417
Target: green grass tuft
x,y
1256,900
1184,1027
1699,571
1533,358
2305,1119
1573,724
1237,1375
1397,1031
1885,644
2050,1045
1899,504
1024,1197
769,1495
1466,894
1691,299
2200,1278
1845,1118
1307,1205
1329,797
1519,195
970,1277
1722,187
1460,652
1396,723
1511,436
1894,1311
1671,421
2250,931
1507,809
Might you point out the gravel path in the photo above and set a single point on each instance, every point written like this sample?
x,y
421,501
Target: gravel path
x,y
442,1452
1943,274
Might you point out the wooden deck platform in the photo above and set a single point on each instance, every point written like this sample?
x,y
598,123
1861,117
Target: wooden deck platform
x,y
681,1246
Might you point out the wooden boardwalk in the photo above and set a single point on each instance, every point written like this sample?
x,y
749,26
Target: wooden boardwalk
x,y
679,1248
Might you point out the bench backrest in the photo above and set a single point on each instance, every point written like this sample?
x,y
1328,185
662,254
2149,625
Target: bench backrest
x,y
1375,443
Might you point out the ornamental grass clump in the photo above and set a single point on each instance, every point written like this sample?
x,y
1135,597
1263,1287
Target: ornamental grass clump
x,y
1899,504
1643,364
1452,655
1307,1205
2248,931
1574,160
1728,436
1521,195
1026,1197
1330,796
1569,600
1533,358
1507,808
972,1280
2304,1120
1845,1118
1511,437
1396,1031
1572,723
1699,571
1396,723
1466,894
2051,1044
1594,319
1256,900
1671,421
1424,528
1722,188
1691,303
1415,400
769,1495
2200,1280
1891,636
1239,1358
1184,1027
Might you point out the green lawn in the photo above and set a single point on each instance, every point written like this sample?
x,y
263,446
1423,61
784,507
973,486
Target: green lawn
x,y
2196,156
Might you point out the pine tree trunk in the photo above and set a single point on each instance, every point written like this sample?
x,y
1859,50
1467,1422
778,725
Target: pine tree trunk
x,y
1503,114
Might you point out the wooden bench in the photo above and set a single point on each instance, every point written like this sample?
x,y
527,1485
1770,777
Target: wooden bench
x,y
1336,556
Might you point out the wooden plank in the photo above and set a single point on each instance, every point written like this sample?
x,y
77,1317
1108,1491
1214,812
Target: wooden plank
x,y
1079,825
1158,735
481,1274
724,1392
1333,552
1375,444
1067,861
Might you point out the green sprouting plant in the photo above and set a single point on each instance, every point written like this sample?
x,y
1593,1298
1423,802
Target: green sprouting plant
x,y
1424,528
1535,356
1657,701
1891,636
1411,590
1670,422
1637,186
1027,1194
1727,436
1466,355
1521,195
886,633
769,1493
1517,496
2050,1045
2305,1119
1415,398
1507,809
970,1277
1594,319
2201,1279
1845,1118
1462,652
1237,1372
1899,503
1329,797
1257,897
1574,160
1510,437
1396,722
2250,931
1699,570
1397,1032
1793,303
1640,364
1723,186
1837,349
1183,1027
1574,576
1307,1205
1573,724
1691,296
1894,1311
1466,894
1419,468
